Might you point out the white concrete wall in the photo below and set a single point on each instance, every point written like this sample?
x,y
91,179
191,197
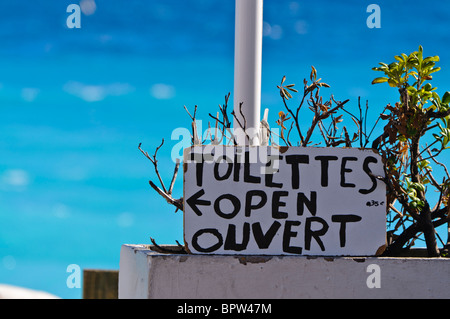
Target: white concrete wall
x,y
147,274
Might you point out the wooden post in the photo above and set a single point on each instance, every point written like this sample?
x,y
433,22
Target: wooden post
x,y
100,284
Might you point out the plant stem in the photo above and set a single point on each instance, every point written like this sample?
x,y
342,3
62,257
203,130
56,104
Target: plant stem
x,y
425,213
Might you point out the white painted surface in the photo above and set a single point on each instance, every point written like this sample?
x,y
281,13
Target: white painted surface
x,y
247,66
14,292
317,201
147,274
134,271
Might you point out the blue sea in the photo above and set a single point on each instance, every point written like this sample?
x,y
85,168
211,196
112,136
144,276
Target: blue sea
x,y
76,102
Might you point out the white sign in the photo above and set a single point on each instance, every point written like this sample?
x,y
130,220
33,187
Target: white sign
x,y
292,201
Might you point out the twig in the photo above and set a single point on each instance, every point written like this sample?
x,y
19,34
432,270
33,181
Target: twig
x,y
320,117
295,116
178,203
243,117
377,141
324,135
289,134
226,123
195,111
195,139
174,177
215,141
395,210
439,163
155,162
180,248
244,126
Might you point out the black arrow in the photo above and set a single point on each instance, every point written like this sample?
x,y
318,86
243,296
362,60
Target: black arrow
x,y
194,200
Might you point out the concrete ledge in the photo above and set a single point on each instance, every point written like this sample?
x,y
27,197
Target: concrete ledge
x,y
148,274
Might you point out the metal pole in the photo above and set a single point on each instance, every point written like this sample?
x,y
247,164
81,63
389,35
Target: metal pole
x,y
247,70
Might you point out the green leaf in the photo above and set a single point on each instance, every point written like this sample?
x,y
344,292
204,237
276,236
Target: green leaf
x,y
437,98
418,186
431,58
446,98
445,142
379,80
428,87
434,70
423,164
420,54
392,83
412,90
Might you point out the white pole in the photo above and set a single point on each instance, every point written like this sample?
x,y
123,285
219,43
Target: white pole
x,y
247,69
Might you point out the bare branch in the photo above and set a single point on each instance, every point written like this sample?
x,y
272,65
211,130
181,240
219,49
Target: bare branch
x,y
178,203
195,111
318,117
170,249
155,162
174,177
433,158
395,210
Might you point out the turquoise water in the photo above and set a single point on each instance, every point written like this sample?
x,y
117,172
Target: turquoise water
x,y
75,104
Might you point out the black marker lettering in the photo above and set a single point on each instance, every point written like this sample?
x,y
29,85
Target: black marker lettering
x,y
309,233
212,248
247,177
237,167
195,201
294,161
248,201
227,173
269,175
230,241
276,203
369,159
236,206
344,219
199,173
287,235
311,203
324,163
346,170
263,240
